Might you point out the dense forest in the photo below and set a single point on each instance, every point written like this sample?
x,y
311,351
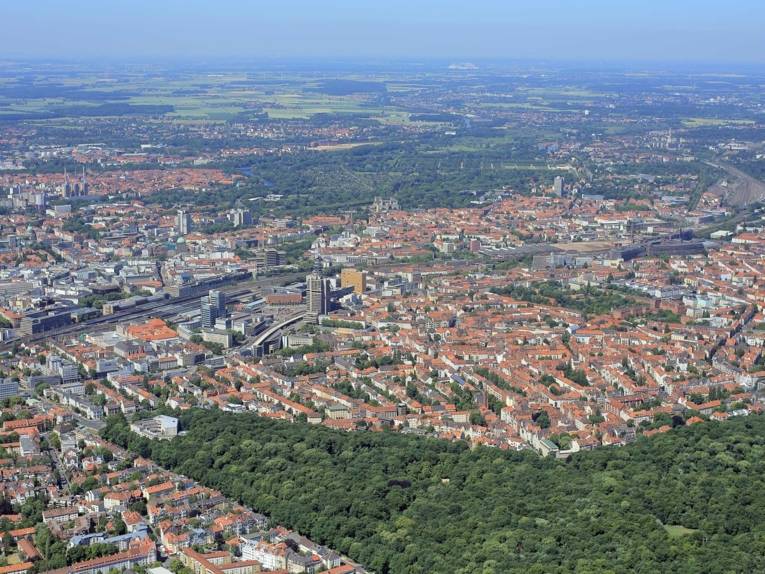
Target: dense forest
x,y
687,501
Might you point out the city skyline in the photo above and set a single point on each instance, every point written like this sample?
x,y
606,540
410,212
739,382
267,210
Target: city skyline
x,y
382,288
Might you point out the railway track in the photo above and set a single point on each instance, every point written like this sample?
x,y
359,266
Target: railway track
x,y
163,309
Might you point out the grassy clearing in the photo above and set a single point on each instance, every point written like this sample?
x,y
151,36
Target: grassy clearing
x,y
537,107
564,92
676,531
707,122
396,117
13,559
342,146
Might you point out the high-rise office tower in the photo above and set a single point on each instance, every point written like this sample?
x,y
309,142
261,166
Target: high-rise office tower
x,y
211,307
218,301
207,313
317,292
183,222
558,185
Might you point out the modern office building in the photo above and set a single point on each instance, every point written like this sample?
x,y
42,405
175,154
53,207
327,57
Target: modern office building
x,y
318,291
212,306
41,321
67,370
268,258
218,300
8,389
183,222
558,185
354,278
240,217
207,317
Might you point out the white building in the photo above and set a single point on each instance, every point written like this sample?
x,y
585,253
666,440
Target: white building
x,y
160,427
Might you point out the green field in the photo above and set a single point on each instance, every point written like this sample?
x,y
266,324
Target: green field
x,y
716,122
676,531
211,97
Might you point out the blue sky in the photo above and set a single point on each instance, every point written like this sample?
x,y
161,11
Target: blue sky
x,y
588,30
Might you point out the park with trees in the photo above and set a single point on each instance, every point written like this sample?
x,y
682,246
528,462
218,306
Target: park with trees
x,y
690,500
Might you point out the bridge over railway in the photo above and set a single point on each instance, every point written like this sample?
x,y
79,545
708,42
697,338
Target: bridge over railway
x,y
272,330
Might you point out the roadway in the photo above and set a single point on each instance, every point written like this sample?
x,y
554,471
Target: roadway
x,y
276,327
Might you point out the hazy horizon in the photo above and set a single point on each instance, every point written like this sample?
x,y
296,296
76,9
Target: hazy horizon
x,y
595,31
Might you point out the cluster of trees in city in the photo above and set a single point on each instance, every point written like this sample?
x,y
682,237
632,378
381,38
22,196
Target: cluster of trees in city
x,y
342,324
576,375
97,301
55,553
300,368
30,512
318,346
349,390
77,224
498,380
663,316
690,500
364,361
589,300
